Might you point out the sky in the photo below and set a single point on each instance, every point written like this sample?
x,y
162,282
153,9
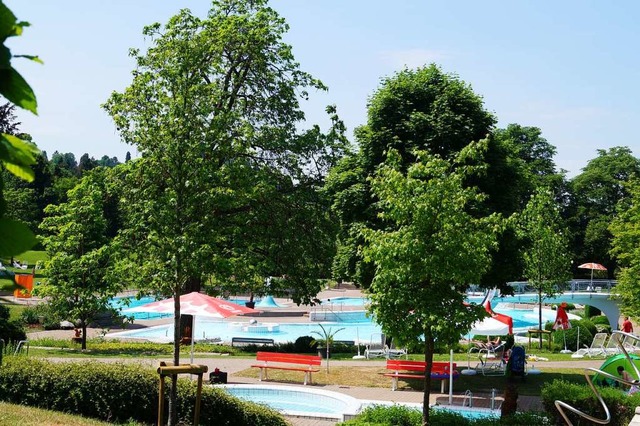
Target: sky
x,y
570,68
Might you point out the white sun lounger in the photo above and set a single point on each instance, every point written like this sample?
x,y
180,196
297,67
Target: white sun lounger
x,y
597,347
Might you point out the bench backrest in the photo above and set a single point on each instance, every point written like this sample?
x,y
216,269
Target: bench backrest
x,y
289,358
438,367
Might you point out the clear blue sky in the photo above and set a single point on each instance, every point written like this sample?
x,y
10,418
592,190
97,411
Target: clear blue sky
x,y
570,67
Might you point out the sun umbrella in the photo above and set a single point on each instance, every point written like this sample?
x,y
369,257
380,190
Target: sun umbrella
x,y
593,267
562,322
196,304
489,327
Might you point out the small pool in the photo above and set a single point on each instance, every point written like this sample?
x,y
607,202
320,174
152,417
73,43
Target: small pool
x,y
296,401
346,301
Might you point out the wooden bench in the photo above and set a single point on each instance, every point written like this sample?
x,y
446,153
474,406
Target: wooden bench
x,y
251,341
404,369
306,363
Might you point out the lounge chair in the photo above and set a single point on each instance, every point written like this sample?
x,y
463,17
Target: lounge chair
x,y
492,361
597,347
376,347
393,352
612,347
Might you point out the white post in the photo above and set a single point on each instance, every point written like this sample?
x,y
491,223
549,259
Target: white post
x,y
451,377
193,335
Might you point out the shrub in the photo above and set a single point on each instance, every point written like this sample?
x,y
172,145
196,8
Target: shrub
x,y
303,345
117,393
400,415
621,406
590,311
600,319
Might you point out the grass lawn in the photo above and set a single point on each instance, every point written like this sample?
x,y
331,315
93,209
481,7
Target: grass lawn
x,y
11,415
371,377
31,257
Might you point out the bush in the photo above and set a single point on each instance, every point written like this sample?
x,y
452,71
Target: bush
x,y
400,415
621,406
600,319
117,393
590,311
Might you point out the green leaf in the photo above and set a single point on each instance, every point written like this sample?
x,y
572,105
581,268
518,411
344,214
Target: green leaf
x,y
17,90
31,57
7,22
15,237
17,155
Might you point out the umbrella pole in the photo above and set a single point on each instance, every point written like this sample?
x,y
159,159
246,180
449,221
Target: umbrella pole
x,y
193,335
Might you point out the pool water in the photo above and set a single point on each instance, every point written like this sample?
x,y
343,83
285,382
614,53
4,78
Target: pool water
x,y
356,326
297,401
121,303
208,328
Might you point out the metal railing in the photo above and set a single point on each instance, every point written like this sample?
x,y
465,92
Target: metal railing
x,y
562,406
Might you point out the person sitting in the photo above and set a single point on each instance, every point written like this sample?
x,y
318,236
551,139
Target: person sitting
x,y
626,376
186,336
492,344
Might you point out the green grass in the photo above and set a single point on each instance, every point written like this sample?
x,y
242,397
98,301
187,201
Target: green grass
x,y
31,257
11,414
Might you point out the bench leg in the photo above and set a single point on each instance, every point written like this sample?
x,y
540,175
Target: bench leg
x,y
306,377
443,384
394,383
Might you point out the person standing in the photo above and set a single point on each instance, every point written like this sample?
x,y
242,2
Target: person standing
x,y
627,327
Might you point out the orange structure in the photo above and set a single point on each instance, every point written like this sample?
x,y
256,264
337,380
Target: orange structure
x,y
25,281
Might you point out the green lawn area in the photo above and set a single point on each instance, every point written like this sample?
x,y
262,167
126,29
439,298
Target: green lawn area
x,y
31,257
11,414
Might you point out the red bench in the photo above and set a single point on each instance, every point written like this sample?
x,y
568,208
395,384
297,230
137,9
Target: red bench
x,y
404,369
310,363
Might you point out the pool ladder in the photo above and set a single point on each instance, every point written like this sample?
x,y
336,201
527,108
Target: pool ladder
x,y
468,394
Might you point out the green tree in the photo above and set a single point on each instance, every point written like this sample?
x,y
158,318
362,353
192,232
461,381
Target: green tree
x,y
545,254
79,254
595,193
626,249
519,161
430,249
212,109
16,155
424,109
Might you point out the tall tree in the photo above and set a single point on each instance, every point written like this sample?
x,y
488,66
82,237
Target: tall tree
x,y
595,193
626,249
77,244
547,261
431,248
212,107
423,109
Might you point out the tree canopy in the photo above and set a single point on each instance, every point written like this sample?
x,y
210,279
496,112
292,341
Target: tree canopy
x,y
213,109
429,250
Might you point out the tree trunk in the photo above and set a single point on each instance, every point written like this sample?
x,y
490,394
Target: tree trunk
x,y
193,284
540,318
428,358
173,393
510,403
84,336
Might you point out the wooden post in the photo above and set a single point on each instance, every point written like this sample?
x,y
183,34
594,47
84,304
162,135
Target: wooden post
x,y
161,401
168,369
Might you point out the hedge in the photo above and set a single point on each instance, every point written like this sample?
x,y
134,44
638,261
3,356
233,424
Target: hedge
x,y
621,406
118,392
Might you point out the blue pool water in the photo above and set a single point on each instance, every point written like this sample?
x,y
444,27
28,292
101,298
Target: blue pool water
x,y
208,328
357,326
121,303
297,401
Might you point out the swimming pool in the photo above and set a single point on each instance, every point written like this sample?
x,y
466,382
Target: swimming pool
x,y
296,401
208,328
120,303
358,326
